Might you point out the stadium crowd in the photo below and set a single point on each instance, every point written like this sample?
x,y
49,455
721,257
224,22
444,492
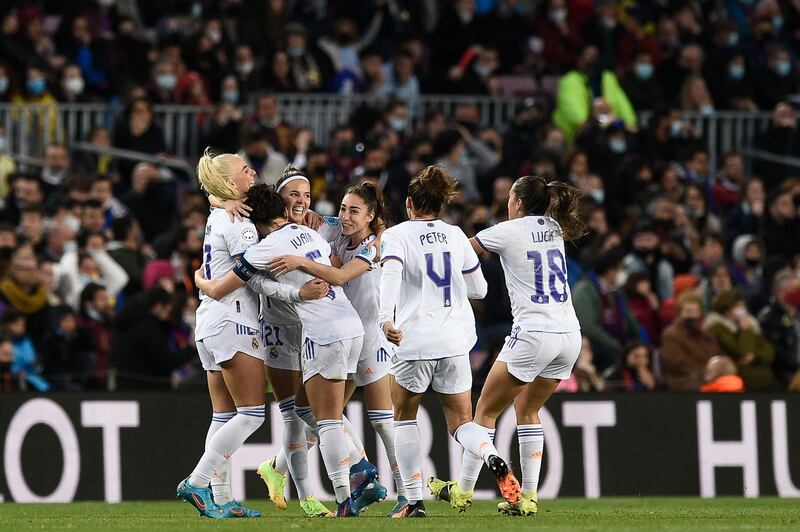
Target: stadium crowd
x,y
689,275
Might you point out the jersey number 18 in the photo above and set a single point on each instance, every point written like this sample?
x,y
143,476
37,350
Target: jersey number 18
x,y
557,269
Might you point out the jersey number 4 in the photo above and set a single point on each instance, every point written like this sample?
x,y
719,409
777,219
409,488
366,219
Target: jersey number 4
x,y
441,281
557,273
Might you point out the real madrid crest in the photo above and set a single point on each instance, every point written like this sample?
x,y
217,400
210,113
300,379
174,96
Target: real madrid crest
x,y
254,343
273,353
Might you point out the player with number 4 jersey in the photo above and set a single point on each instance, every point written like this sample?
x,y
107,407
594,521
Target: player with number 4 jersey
x,y
430,272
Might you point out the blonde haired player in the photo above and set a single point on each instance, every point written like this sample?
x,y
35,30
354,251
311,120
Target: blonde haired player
x,y
429,273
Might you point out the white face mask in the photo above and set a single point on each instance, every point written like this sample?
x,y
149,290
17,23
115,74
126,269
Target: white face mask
x,y
397,124
245,68
166,82
74,86
3,145
325,208
3,85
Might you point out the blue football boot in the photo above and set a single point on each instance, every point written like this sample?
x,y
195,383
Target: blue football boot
x,y
362,475
200,498
235,509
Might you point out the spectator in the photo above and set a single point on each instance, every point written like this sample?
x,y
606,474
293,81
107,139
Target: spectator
x,y
126,249
224,133
90,264
67,351
780,138
776,79
25,363
464,157
644,304
148,201
780,322
399,79
634,373
781,227
720,376
141,350
739,336
21,290
603,311
747,271
645,257
581,85
268,117
94,316
560,39
746,217
733,88
641,85
311,67
701,220
260,155
7,383
248,75
725,191
685,348
138,131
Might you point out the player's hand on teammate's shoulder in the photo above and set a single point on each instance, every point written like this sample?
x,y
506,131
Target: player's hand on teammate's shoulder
x,y
395,336
236,209
312,220
285,264
314,289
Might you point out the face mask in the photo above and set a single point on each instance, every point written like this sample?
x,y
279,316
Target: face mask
x,y
752,263
644,71
74,86
397,124
190,319
37,86
556,149
558,15
94,314
783,68
214,36
465,16
598,194
3,85
617,145
294,51
777,23
733,39
53,177
245,68
707,110
325,208
272,123
482,70
698,213
620,279
609,23
691,323
230,96
736,71
676,128
166,82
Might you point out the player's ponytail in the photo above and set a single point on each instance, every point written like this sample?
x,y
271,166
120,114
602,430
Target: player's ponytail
x,y
430,190
555,199
373,199
214,173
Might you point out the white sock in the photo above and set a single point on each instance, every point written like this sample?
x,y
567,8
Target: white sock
x,y
471,465
305,413
225,442
407,449
221,478
294,450
531,447
475,439
383,423
355,446
334,454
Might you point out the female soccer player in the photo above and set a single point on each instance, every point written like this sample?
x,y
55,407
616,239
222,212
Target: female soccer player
x,y
333,332
227,344
283,337
545,339
361,214
429,272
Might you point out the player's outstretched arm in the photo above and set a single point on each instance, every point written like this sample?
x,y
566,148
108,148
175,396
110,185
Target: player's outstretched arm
x,y
476,246
220,288
335,276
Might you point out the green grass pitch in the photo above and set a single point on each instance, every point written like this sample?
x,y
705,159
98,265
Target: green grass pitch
x,y
562,514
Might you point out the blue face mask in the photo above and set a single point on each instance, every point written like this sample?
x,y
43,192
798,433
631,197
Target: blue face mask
x,y
644,71
676,128
617,145
3,85
707,110
783,68
230,96
733,39
736,71
37,86
777,23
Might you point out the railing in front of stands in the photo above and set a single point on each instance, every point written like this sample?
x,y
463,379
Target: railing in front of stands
x,y
28,128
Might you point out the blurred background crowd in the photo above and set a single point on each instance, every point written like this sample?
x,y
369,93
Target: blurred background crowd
x,y
689,275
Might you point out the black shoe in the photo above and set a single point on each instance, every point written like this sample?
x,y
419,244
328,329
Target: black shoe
x,y
411,510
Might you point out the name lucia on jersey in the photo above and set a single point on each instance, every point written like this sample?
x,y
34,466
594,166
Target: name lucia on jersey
x,y
544,236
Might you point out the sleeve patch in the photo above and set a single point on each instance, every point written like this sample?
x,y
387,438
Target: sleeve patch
x,y
368,252
332,221
249,236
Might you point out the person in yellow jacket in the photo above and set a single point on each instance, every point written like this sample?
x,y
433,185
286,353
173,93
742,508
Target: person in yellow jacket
x,y
578,87
45,119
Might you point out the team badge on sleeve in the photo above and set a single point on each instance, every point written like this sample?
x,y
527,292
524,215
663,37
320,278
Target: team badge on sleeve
x,y
368,252
249,236
332,221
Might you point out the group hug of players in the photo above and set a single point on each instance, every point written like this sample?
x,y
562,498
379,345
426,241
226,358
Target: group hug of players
x,y
325,305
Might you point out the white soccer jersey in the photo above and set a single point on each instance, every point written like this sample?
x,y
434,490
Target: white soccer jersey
x,y
531,251
223,243
363,291
327,320
433,310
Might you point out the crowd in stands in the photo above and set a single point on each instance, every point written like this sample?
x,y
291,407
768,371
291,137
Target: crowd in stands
x,y
688,277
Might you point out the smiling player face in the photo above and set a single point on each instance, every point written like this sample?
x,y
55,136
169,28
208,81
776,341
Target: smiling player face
x,y
297,197
354,214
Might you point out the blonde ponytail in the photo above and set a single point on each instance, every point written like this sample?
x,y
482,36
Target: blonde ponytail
x,y
214,173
